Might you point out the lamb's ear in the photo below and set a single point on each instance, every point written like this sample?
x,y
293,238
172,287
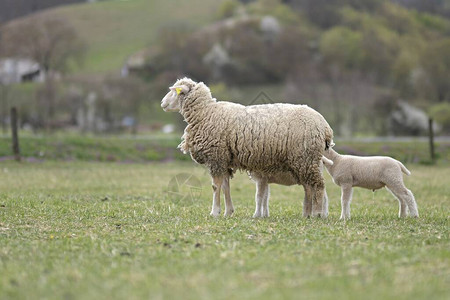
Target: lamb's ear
x,y
180,89
329,144
326,161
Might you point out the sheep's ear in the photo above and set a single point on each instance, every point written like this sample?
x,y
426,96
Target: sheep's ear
x,y
332,144
180,89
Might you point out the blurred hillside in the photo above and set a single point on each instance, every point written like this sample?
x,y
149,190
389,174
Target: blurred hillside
x,y
371,67
352,60
113,30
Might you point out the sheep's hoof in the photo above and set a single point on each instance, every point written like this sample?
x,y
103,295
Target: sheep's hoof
x,y
255,215
215,214
229,213
318,214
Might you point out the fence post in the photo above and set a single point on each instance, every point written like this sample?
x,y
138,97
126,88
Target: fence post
x,y
431,140
15,135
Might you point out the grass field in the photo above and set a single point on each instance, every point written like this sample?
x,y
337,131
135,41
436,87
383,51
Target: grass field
x,y
79,230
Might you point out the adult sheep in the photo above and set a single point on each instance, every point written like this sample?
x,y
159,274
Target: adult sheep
x,y
267,139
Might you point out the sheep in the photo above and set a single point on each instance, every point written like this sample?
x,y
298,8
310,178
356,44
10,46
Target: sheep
x,y
270,138
372,172
263,191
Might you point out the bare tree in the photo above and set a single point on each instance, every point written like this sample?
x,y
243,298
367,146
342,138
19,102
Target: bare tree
x,y
51,42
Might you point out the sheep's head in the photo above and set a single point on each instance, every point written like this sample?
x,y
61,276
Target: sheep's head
x,y
172,100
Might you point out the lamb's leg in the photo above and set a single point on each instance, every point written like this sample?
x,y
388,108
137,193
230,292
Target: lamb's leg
x,y
325,203
404,195
346,198
307,203
265,201
402,210
325,196
229,209
261,185
216,185
412,204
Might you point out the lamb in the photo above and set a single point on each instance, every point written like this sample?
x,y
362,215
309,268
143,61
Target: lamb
x,y
373,172
268,139
263,191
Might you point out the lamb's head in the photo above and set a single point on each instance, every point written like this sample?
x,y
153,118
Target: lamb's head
x,y
173,99
329,153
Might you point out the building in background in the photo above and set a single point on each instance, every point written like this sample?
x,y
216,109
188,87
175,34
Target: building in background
x,y
17,70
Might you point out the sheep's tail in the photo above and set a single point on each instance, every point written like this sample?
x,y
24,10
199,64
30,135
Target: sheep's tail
x,y
328,138
327,161
404,169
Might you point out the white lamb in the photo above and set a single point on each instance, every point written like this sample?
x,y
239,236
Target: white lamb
x,y
373,172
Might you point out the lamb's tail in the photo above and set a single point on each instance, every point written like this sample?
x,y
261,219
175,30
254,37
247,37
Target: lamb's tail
x,y
404,169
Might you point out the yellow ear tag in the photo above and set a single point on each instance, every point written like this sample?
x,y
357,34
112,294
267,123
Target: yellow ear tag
x,y
178,90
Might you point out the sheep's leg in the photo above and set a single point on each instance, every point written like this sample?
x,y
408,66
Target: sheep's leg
x,y
261,185
317,201
229,209
346,198
307,203
406,196
265,201
216,185
316,190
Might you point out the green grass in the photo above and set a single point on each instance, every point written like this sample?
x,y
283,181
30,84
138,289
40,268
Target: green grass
x,y
160,147
95,148
113,30
78,230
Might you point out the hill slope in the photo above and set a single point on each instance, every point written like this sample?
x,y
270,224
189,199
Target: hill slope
x,y
115,29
